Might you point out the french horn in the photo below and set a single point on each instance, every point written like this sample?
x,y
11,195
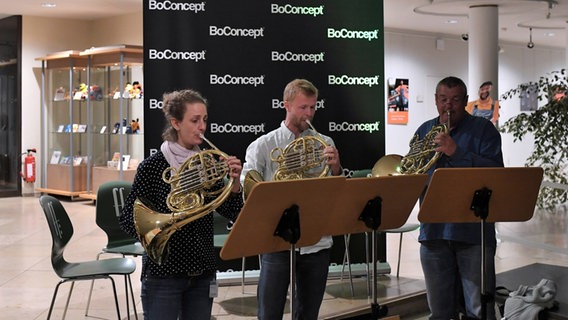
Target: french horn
x,y
302,158
420,158
191,186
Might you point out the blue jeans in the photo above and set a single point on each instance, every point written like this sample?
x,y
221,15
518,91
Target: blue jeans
x,y
453,268
311,279
177,298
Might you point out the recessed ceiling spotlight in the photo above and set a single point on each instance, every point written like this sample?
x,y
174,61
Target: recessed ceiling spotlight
x,y
549,34
451,21
48,5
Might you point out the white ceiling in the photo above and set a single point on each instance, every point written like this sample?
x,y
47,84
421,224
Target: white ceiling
x,y
399,15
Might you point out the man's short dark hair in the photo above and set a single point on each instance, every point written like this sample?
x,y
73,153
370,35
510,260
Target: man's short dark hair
x,y
452,82
486,83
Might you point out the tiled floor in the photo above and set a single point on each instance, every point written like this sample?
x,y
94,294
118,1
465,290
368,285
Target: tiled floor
x,y
27,279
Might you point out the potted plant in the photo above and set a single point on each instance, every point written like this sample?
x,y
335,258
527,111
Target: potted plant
x,y
549,126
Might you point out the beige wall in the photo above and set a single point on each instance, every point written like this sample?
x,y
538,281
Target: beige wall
x,y
41,36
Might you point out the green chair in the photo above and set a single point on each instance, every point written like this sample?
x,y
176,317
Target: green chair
x,y
407,227
111,197
61,232
221,233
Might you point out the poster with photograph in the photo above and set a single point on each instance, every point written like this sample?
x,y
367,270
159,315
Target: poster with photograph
x,y
529,98
397,101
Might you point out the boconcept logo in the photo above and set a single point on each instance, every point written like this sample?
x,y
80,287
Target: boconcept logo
x,y
279,104
345,80
352,34
237,128
168,5
297,57
351,127
228,31
155,104
168,54
290,9
233,80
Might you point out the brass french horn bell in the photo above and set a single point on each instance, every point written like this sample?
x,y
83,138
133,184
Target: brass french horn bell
x,y
387,166
251,179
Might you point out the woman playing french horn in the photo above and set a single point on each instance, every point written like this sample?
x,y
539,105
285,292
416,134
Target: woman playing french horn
x,y
178,279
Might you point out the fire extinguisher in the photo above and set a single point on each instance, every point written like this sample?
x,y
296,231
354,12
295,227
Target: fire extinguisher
x,y
29,173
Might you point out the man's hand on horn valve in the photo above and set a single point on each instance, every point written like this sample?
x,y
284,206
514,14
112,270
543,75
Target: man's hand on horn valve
x,y
331,155
445,144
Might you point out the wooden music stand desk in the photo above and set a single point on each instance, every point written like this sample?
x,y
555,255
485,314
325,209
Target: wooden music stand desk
x,y
493,194
451,191
389,200
253,231
281,215
398,194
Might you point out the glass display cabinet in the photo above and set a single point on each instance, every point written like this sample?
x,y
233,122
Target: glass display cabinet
x,y
115,104
92,118
63,117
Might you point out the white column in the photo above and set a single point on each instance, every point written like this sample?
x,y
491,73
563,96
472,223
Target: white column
x,y
566,29
483,48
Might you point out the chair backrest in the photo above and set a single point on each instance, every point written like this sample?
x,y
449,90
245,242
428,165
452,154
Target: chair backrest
x,y
111,197
60,227
361,173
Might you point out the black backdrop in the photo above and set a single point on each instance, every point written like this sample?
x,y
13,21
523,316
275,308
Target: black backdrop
x,y
241,54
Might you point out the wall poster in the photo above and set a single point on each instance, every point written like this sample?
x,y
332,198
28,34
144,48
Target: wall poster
x,y
529,97
397,101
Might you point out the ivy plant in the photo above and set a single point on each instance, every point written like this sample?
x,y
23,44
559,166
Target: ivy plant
x,y
549,126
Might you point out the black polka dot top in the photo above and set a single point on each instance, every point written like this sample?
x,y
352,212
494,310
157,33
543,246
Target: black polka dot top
x,y
190,249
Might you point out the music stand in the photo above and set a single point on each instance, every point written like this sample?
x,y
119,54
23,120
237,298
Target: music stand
x,y
281,215
375,204
493,194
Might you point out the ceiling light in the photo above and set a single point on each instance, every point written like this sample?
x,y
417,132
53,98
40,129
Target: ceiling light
x,y
48,5
549,34
451,21
530,45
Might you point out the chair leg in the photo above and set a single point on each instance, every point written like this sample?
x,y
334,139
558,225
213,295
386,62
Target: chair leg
x,y
243,275
115,297
347,259
132,297
399,252
53,299
91,290
68,298
126,294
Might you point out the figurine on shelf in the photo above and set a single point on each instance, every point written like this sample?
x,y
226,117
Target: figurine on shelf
x,y
136,92
135,126
81,92
117,126
127,90
96,93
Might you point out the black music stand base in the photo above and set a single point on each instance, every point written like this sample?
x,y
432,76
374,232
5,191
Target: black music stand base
x,y
371,216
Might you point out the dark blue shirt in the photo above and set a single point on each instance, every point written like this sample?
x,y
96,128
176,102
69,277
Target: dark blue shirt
x,y
478,145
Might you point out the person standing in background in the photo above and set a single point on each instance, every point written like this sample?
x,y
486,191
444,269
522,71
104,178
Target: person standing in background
x,y
485,106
